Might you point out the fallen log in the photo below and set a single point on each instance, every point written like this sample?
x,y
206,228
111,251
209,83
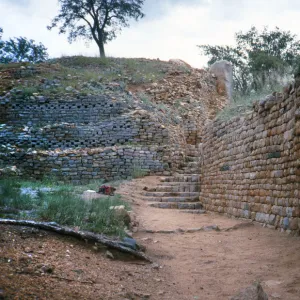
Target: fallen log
x,y
82,235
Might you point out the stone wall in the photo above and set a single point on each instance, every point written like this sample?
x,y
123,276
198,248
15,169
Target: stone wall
x,y
84,139
251,164
42,111
136,127
80,166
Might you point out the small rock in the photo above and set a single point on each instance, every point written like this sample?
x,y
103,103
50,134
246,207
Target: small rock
x,y
254,292
155,266
69,89
47,269
109,255
28,250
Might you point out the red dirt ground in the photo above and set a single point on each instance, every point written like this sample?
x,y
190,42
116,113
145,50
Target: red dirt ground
x,y
205,265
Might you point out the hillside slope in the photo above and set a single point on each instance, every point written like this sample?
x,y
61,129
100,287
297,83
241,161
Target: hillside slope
x,y
72,104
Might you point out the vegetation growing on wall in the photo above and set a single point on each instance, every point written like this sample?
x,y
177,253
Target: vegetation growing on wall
x,y
261,60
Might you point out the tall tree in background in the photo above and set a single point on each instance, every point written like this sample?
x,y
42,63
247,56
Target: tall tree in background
x,y
259,58
98,20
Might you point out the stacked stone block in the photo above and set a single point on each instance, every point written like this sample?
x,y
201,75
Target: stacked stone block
x,y
251,165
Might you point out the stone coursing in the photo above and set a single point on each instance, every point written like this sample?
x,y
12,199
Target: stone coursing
x,y
251,165
52,138
136,127
81,166
19,112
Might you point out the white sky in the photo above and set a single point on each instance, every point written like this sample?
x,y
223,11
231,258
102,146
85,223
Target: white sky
x,y
171,28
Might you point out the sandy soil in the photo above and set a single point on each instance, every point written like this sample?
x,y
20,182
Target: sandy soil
x,y
205,265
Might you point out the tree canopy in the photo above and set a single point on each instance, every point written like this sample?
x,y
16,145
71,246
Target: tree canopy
x,y
21,49
259,58
98,20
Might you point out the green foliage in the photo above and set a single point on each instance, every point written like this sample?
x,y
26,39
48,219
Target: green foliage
x,y
62,204
22,50
98,20
260,59
242,103
10,195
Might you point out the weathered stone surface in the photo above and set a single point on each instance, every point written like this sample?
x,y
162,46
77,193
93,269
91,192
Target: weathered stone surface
x,y
250,165
223,70
254,292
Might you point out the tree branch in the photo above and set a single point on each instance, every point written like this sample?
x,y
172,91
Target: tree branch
x,y
82,235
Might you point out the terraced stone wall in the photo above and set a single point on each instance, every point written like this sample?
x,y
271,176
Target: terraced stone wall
x,y
251,164
84,139
80,166
124,129
40,111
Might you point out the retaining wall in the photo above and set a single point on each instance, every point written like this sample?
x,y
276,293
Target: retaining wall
x,y
81,166
251,165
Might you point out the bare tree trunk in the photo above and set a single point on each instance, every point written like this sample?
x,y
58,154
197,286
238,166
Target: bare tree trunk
x,y
101,50
100,44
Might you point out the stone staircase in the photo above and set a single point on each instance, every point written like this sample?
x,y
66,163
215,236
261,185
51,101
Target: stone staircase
x,y
180,191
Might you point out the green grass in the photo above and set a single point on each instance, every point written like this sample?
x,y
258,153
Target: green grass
x,y
242,104
63,205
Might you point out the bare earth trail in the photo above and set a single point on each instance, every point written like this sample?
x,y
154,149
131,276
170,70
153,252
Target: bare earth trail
x,y
210,265
203,265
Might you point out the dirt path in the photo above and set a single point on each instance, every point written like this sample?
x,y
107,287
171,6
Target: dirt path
x,y
210,265
204,265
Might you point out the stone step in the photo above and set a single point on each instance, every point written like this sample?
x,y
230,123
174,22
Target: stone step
x,y
177,188
171,199
171,194
194,211
184,172
179,205
182,178
174,183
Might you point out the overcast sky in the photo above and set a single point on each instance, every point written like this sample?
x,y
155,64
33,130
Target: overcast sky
x,y
171,28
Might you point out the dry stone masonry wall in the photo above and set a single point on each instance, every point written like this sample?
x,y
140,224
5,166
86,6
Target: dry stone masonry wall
x,y
52,138
251,164
111,163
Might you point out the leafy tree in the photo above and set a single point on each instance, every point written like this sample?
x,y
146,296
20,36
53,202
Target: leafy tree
x,y
1,32
98,20
21,49
259,58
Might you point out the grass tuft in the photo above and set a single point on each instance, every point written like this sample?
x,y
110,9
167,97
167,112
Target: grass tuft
x,y
48,201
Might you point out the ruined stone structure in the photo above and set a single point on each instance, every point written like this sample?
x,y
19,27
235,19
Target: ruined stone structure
x,y
250,165
85,139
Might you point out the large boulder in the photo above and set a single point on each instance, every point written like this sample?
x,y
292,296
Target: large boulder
x,y
253,292
223,70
